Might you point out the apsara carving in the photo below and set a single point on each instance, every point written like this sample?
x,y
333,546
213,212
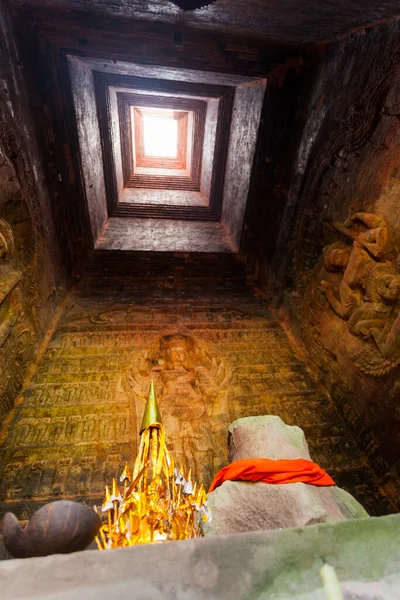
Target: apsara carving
x,y
368,294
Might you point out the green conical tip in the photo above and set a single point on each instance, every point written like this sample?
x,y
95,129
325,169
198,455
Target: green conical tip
x,y
151,414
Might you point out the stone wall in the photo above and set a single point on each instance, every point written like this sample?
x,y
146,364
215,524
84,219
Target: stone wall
x,y
29,266
346,162
215,354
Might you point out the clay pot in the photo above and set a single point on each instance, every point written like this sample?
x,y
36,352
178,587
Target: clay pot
x,y
56,528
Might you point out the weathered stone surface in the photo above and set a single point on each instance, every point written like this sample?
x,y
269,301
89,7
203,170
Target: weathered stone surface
x,y
266,437
30,270
347,162
289,22
76,412
262,565
4,553
237,506
78,420
244,506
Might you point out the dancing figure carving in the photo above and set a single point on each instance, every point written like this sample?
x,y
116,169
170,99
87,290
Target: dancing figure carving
x,y
192,391
368,293
6,242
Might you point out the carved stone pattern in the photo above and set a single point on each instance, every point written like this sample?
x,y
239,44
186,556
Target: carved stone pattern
x,y
325,170
350,136
26,309
80,417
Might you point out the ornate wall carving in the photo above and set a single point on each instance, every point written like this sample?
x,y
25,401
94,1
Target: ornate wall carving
x,y
214,357
16,327
192,389
349,322
368,292
29,267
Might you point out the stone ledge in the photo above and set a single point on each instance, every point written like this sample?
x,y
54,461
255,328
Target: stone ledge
x,y
265,564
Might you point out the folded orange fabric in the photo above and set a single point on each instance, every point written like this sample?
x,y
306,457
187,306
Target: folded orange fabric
x,y
267,470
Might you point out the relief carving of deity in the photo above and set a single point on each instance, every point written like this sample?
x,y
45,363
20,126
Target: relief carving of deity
x,y
364,289
8,278
6,242
191,389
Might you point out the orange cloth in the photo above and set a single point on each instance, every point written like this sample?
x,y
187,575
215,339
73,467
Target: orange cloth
x,y
273,471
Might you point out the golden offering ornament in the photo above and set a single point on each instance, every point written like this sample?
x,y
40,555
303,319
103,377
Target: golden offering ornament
x,y
156,503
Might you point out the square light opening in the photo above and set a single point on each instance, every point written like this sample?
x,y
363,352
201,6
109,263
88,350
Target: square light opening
x,y
161,139
160,133
208,165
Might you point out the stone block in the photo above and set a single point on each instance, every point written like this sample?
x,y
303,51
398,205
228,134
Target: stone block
x,y
239,506
259,565
266,437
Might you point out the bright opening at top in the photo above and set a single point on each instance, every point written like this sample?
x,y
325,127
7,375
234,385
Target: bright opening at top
x,y
160,137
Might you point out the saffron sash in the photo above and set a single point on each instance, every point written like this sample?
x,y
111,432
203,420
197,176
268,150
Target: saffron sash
x,y
267,470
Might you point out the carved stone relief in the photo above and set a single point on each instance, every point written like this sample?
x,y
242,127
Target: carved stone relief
x,y
192,391
30,269
79,420
16,326
13,329
352,167
367,294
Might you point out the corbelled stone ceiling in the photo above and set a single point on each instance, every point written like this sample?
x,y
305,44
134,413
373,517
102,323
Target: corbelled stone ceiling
x,y
231,109
288,21
310,123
